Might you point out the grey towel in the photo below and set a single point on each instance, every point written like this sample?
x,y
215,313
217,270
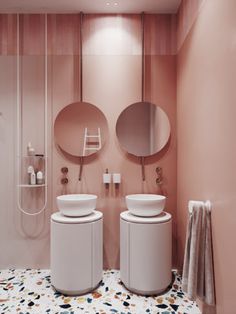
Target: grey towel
x,y
198,275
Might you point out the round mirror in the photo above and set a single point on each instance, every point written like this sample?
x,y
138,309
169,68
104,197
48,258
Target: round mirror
x,y
143,129
80,129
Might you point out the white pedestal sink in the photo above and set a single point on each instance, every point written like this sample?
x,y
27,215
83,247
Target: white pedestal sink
x,y
145,205
76,205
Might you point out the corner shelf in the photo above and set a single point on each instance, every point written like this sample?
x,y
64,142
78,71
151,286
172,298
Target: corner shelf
x,y
31,185
33,157
23,187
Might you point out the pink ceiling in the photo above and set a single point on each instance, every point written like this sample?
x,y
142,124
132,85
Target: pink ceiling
x,y
89,6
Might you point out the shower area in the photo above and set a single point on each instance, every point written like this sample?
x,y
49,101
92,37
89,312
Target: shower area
x,y
24,114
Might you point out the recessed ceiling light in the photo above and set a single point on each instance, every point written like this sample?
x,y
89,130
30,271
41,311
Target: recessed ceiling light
x,y
108,3
115,3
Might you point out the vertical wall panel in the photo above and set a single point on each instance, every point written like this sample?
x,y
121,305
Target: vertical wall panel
x,y
106,34
63,34
32,34
7,34
160,34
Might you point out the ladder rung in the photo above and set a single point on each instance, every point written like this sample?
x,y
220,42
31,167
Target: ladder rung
x,y
88,143
92,143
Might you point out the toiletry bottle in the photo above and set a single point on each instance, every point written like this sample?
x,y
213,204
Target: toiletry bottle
x,y
39,177
29,171
32,178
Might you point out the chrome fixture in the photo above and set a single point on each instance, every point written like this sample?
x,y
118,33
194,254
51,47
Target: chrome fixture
x,y
159,179
64,170
64,179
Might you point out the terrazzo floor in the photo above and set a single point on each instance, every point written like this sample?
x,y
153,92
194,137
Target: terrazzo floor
x,y
29,291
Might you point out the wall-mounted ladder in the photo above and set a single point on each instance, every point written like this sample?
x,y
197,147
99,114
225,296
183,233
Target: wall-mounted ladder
x,y
92,142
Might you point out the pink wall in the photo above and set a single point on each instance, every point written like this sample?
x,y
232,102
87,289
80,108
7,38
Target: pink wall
x,y
112,81
187,14
206,114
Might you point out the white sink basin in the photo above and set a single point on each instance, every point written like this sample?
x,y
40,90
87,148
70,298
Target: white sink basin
x,y
76,205
145,205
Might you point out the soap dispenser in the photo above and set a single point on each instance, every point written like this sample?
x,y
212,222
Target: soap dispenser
x,y
32,178
39,178
116,179
29,171
106,179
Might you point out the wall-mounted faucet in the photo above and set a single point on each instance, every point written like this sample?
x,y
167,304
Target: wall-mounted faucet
x,y
64,170
159,179
64,179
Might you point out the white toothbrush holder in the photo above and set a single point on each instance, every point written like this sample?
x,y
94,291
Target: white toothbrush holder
x,y
116,178
106,179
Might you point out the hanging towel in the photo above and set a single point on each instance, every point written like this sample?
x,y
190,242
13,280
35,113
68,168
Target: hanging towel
x,y
198,275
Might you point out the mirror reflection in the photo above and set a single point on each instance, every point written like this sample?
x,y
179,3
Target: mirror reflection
x,y
80,129
143,129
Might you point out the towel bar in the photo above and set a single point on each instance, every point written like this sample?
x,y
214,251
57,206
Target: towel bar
x,y
199,203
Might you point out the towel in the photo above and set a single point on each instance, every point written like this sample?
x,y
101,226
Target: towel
x,y
198,274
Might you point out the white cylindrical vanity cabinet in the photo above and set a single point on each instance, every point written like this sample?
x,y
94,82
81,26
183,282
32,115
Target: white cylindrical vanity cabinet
x,y
76,252
145,252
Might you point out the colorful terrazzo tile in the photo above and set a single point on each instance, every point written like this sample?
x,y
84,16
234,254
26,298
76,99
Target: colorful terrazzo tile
x,y
29,291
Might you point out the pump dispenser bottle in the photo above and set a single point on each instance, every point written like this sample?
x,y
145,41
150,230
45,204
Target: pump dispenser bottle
x,y
32,178
39,177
